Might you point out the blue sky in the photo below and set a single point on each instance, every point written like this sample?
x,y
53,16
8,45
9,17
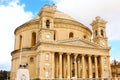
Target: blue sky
x,y
16,12
34,6
115,48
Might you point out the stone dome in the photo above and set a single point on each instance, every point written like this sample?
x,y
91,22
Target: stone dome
x,y
59,14
60,19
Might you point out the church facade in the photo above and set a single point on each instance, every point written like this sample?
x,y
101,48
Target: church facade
x,y
56,46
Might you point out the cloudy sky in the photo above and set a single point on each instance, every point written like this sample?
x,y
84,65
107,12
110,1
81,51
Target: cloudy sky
x,y
15,12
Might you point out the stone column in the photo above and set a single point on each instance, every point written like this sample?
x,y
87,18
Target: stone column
x,y
68,65
96,67
90,66
42,67
75,57
78,67
101,66
109,66
83,66
60,65
53,66
38,64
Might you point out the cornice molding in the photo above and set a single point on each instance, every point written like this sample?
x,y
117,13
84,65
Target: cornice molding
x,y
83,40
59,43
27,25
23,49
57,47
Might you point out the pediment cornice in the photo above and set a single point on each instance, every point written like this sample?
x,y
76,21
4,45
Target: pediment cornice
x,y
81,42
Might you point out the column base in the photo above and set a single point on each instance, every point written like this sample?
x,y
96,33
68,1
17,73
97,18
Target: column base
x,y
74,77
52,77
60,77
90,76
116,78
96,77
83,76
68,77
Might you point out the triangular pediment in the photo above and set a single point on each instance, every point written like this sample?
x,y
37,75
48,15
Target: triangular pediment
x,y
79,42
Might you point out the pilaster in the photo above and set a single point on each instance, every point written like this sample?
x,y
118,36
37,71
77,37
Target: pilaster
x,y
90,66
60,65
109,66
96,67
68,65
101,66
83,66
53,65
75,57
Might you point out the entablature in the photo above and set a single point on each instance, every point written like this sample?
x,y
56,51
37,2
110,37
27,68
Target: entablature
x,y
58,47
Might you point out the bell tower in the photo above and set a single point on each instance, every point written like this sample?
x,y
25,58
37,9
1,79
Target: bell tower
x,y
46,32
99,31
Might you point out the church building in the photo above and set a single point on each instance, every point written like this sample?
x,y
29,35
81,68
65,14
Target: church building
x,y
56,46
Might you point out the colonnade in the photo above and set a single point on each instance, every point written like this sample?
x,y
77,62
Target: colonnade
x,y
67,65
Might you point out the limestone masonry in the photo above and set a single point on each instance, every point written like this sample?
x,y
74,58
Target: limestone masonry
x,y
54,45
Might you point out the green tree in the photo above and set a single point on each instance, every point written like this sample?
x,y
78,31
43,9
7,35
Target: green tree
x,y
4,75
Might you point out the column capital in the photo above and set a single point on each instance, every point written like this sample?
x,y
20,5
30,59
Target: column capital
x,y
82,54
52,52
75,54
89,55
102,55
95,55
68,53
60,53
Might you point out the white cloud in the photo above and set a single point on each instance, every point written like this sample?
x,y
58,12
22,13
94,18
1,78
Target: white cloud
x,y
11,16
86,10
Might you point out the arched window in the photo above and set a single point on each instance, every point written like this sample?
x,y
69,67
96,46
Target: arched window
x,y
20,42
84,36
47,23
71,35
96,33
33,39
31,59
102,33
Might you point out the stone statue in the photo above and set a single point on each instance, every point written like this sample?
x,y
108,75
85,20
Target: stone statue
x,y
22,73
